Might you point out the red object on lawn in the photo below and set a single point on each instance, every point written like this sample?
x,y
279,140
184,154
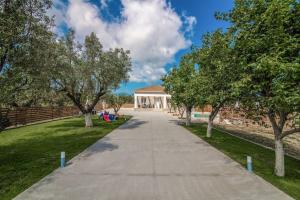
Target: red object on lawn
x,y
106,118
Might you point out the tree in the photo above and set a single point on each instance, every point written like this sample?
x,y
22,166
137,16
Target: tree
x,y
181,110
34,93
268,41
171,105
23,25
117,101
177,107
217,72
25,40
180,83
86,74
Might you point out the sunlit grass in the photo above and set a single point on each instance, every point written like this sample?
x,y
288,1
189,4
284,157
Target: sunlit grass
x,y
29,153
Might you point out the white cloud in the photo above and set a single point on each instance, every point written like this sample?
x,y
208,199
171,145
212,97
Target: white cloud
x,y
84,18
150,29
190,22
58,11
104,4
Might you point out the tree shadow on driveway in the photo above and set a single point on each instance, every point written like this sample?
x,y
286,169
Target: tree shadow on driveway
x,y
133,123
176,121
99,147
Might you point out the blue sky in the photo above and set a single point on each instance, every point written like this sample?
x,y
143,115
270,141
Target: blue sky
x,y
157,32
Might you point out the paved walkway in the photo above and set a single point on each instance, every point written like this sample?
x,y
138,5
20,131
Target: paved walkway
x,y
152,158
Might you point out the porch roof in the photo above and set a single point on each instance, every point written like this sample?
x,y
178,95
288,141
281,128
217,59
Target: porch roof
x,y
155,89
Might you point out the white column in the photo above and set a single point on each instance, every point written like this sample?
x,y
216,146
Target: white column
x,y
135,101
165,102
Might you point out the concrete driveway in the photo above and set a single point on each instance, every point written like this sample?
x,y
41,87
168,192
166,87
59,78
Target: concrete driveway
x,y
151,157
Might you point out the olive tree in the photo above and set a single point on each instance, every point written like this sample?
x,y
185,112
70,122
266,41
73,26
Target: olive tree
x,y
85,74
25,40
116,101
24,27
24,36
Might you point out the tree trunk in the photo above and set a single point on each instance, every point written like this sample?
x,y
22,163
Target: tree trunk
x,y
209,127
180,111
88,119
116,111
188,116
212,116
279,151
279,158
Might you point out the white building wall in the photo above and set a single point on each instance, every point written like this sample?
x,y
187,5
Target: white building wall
x,y
150,99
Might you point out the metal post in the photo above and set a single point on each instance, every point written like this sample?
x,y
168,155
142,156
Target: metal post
x,y
62,159
249,164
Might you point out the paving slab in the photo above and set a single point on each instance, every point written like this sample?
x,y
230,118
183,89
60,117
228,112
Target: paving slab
x,y
151,157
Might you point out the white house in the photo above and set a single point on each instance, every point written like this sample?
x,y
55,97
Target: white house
x,y
152,97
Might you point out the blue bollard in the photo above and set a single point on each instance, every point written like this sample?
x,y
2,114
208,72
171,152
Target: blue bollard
x,y
249,164
62,159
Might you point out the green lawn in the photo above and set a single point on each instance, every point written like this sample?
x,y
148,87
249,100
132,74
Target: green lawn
x,y
263,159
29,153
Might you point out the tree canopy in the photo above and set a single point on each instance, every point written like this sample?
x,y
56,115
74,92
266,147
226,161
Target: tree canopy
x,y
25,37
84,74
180,83
217,72
116,101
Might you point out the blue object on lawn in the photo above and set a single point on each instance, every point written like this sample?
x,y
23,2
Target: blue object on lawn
x,y
111,117
100,115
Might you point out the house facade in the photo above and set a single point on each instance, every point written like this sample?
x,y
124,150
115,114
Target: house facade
x,y
152,97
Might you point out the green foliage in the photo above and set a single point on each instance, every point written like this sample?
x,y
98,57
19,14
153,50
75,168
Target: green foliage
x,y
25,46
217,70
33,63
86,74
24,25
268,42
180,83
25,40
116,101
